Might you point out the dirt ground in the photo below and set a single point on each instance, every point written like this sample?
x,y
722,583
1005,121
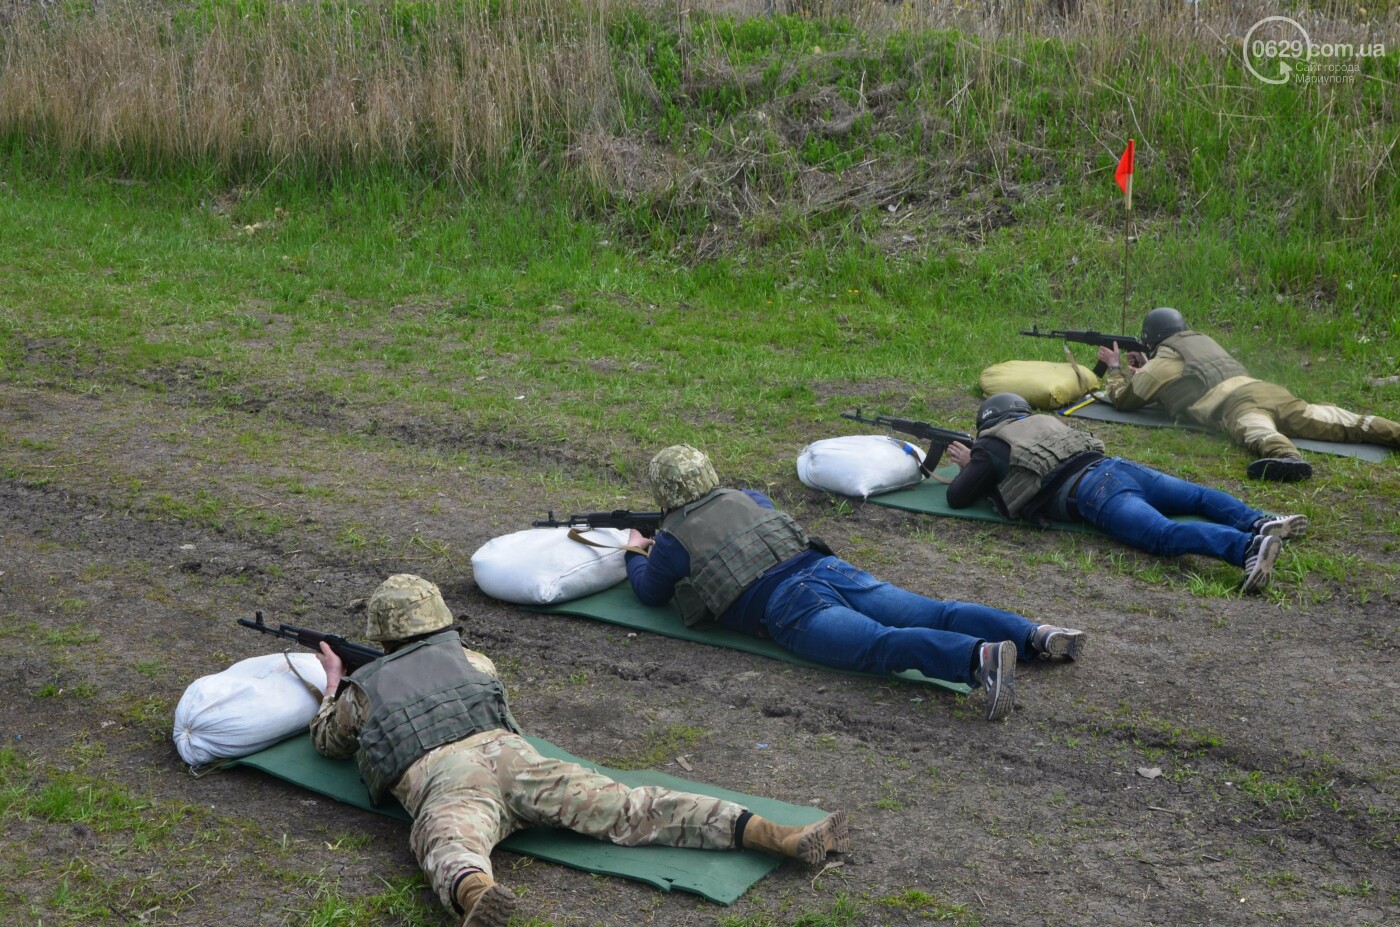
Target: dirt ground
x,y
155,516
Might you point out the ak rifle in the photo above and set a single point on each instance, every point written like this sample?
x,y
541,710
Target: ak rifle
x,y
938,438
645,522
1101,339
351,654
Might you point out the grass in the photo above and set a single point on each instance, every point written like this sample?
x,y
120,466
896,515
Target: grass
x,y
160,857
400,902
843,912
657,747
1290,798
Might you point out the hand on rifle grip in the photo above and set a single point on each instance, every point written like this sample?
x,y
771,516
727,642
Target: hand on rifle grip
x,y
333,665
959,454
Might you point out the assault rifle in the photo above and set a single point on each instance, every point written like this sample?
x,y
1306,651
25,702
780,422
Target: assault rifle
x,y
938,438
645,522
352,655
1125,342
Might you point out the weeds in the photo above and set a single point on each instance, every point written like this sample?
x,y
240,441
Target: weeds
x,y
657,747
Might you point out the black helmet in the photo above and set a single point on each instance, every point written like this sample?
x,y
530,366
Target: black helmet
x,y
1159,325
999,407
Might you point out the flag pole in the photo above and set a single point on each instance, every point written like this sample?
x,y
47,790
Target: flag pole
x,y
1127,237
1124,178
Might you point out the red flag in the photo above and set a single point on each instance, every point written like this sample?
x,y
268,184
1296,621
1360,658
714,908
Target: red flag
x,y
1124,175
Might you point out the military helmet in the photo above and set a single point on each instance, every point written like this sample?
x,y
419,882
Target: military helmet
x,y
1160,324
405,606
999,407
680,474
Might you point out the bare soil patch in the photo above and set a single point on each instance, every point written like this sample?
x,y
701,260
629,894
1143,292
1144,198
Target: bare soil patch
x,y
1271,723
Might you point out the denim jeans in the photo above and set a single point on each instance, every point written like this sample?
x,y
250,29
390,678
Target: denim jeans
x,y
841,616
1132,503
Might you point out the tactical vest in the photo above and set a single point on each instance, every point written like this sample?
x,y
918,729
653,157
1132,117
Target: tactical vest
x,y
421,697
731,540
1207,366
1039,445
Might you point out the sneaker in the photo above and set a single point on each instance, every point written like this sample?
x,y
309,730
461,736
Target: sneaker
x,y
1281,526
1058,642
1259,559
996,674
1289,469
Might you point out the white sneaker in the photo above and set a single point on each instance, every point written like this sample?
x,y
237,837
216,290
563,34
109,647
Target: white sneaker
x,y
1259,560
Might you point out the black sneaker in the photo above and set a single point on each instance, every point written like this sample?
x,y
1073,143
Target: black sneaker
x,y
1289,469
1281,526
1259,559
996,674
1058,642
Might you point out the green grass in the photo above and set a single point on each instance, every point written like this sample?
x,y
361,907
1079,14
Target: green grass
x,y
1290,798
540,333
845,911
929,907
656,747
160,856
402,901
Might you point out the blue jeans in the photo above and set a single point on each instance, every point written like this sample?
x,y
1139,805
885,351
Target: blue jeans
x,y
1132,504
841,616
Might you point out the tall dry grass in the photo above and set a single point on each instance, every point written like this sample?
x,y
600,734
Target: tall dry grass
x,y
459,88
450,88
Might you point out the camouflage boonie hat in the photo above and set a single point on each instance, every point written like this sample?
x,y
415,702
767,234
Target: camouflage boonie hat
x,y
680,474
405,605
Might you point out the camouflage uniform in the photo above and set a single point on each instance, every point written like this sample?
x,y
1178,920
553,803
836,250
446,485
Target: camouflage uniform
x,y
467,796
1257,415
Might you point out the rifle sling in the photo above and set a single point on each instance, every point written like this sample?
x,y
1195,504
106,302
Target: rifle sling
x,y
576,535
316,693
1080,374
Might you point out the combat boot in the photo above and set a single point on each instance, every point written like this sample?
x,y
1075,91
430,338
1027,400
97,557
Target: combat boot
x,y
486,903
1289,468
809,843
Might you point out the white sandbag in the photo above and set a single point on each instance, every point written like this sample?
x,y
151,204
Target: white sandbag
x,y
540,566
251,705
859,465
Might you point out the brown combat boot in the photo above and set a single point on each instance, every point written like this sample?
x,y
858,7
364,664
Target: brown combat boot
x,y
809,844
486,903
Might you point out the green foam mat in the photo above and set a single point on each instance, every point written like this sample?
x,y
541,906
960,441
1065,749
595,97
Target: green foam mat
x,y
931,498
618,605
719,875
1153,417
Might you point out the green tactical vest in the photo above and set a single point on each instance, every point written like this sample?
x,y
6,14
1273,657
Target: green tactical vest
x,y
1039,444
1207,366
421,697
731,540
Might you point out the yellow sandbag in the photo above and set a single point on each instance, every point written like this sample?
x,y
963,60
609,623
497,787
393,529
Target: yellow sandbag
x,y
1045,384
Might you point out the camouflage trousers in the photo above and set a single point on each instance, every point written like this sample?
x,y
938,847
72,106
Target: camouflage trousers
x,y
468,796
1263,416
